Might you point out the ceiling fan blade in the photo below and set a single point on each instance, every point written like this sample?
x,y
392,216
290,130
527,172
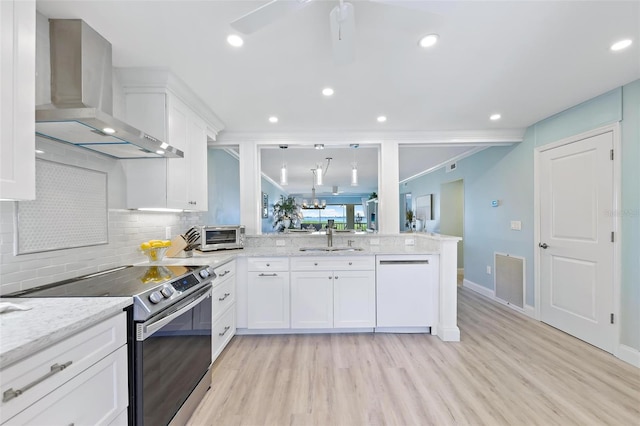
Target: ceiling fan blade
x,y
343,33
266,14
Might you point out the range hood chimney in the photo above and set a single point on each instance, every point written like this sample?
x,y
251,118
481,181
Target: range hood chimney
x,y
81,106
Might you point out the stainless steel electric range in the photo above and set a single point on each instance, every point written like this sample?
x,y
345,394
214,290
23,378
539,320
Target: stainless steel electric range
x,y
169,334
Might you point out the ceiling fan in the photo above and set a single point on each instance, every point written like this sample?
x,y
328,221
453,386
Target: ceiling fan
x,y
341,20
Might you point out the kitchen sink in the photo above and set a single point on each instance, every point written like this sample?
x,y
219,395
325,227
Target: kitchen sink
x,y
331,249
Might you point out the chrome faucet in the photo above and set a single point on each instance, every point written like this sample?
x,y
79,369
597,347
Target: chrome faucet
x,y
330,233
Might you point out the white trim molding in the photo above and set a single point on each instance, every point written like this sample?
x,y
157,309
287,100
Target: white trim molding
x,y
448,138
480,289
629,355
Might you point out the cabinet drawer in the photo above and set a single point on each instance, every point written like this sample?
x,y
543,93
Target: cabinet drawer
x,y
224,271
78,352
97,396
222,297
268,264
222,331
333,263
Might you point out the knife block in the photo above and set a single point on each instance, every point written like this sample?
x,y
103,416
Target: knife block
x,y
178,245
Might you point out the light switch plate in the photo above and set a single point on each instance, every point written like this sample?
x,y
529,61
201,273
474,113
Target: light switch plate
x,y
516,225
488,269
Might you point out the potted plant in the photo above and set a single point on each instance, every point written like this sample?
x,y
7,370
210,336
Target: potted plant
x,y
285,212
409,215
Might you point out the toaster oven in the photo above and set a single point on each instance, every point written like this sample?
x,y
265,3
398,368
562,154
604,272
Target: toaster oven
x,y
221,237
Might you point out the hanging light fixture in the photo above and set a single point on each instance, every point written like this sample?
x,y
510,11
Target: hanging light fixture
x,y
283,169
315,204
319,172
354,166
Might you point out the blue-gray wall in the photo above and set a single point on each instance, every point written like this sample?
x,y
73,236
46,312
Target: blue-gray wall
x,y
506,174
223,172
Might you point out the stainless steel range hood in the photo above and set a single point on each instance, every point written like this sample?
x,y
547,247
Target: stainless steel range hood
x,y
81,106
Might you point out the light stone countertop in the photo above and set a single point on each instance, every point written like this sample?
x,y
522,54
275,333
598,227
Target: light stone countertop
x,y
50,320
217,258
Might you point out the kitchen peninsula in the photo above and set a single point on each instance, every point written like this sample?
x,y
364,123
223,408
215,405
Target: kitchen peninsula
x,y
292,273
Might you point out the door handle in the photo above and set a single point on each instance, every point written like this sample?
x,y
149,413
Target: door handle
x,y
543,245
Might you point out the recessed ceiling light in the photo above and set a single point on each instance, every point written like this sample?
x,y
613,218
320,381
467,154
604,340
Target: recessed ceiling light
x,y
235,40
159,152
622,44
108,130
39,151
327,91
428,40
381,119
319,146
273,119
495,117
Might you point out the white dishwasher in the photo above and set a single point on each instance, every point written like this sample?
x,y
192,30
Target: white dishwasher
x,y
406,293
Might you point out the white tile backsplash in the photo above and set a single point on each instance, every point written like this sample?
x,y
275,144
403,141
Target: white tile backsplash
x,y
127,229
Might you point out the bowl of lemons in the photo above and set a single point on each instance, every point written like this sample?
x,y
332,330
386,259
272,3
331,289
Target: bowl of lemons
x,y
155,249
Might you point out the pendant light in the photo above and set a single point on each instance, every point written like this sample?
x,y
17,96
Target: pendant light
x,y
319,175
283,170
354,166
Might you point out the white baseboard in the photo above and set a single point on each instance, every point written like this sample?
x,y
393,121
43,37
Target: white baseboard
x,y
479,289
448,334
629,355
530,311
251,332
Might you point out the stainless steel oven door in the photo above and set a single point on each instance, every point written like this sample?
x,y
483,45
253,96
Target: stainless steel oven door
x,y
172,354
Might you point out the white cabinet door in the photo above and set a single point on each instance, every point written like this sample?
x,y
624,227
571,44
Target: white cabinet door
x,y
96,396
178,116
17,104
312,299
406,292
354,299
268,300
197,160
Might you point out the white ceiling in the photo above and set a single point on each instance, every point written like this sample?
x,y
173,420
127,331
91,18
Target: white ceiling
x,y
525,60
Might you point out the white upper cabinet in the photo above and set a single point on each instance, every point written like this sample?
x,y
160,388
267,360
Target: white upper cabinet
x,y
17,103
159,104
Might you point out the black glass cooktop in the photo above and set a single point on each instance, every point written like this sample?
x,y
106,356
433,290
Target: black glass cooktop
x,y
120,282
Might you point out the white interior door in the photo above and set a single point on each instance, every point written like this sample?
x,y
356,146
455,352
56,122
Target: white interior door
x,y
576,248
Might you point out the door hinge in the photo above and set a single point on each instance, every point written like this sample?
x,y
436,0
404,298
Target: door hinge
x,y
612,236
611,154
611,318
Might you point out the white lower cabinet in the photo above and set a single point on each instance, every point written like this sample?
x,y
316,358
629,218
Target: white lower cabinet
x,y
80,380
268,293
354,299
223,308
341,297
96,396
312,299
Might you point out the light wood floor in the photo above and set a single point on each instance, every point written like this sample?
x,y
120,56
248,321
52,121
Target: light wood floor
x,y
507,370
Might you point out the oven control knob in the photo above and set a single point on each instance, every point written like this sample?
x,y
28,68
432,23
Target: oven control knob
x,y
204,273
167,291
155,297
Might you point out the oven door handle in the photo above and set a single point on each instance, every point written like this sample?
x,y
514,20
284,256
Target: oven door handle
x,y
145,330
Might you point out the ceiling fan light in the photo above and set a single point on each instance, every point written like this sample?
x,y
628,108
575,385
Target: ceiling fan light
x,y
428,40
235,40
